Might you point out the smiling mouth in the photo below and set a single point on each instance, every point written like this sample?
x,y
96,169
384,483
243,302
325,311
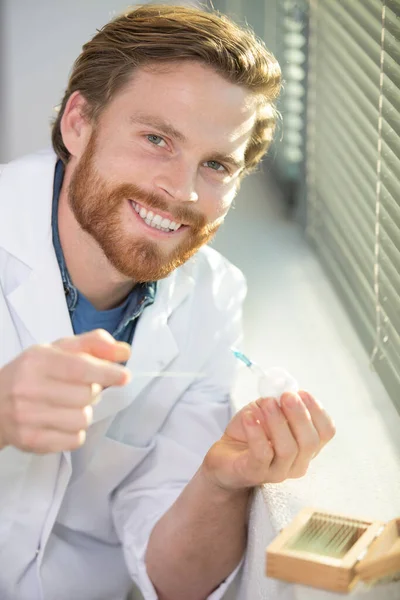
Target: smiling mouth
x,y
154,220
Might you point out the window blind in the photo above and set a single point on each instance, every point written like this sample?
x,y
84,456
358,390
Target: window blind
x,y
283,27
353,166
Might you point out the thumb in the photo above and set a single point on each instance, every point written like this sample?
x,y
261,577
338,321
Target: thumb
x,y
98,343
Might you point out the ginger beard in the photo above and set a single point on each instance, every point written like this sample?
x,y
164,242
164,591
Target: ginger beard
x,y
97,207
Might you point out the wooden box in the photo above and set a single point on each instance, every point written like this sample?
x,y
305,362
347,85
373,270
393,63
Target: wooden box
x,y
334,552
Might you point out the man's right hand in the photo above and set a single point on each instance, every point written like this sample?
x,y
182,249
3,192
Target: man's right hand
x,y
47,392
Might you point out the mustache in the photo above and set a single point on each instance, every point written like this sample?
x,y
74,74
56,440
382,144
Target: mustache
x,y
151,200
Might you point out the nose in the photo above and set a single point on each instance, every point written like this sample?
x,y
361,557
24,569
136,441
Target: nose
x,y
178,181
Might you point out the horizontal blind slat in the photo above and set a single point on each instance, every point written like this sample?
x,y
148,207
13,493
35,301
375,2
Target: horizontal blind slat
x,y
337,200
363,196
357,262
392,58
368,67
350,96
390,182
336,55
392,207
389,157
364,156
330,246
391,113
367,22
389,302
361,317
346,114
392,18
390,90
358,38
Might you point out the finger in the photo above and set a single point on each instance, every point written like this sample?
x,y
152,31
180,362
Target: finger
x,y
98,343
86,369
283,442
56,393
303,430
258,443
42,441
260,452
235,428
323,423
96,391
67,420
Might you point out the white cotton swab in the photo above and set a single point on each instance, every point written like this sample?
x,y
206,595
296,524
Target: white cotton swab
x,y
271,383
166,374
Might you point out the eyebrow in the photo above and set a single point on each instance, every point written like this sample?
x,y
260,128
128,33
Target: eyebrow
x,y
158,123
164,127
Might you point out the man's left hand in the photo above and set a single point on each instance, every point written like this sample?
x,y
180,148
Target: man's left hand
x,y
268,443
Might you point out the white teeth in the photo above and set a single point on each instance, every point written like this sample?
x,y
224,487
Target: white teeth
x,y
155,220
165,223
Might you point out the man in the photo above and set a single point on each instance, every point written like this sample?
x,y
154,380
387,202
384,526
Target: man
x,y
118,461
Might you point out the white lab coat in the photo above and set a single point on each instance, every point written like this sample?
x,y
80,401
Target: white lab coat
x,y
76,525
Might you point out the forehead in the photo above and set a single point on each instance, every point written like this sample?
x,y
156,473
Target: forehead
x,y
192,97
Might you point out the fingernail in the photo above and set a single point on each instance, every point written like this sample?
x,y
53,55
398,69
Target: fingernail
x,y
82,437
126,375
272,406
310,401
88,410
292,401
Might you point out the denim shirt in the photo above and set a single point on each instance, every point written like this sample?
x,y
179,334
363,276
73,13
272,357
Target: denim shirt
x,y
142,295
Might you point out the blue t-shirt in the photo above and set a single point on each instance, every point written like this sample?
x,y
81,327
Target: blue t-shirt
x,y
120,321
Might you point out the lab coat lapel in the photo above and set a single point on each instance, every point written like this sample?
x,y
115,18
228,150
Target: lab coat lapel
x,y
26,235
40,302
10,345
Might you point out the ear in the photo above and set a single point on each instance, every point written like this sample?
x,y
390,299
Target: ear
x,y
75,127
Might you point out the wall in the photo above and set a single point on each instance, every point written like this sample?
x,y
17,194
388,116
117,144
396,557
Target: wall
x,y
39,41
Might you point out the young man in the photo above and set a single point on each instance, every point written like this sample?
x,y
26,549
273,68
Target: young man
x,y
112,473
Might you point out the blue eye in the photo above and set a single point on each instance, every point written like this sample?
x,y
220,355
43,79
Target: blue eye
x,y
155,139
215,166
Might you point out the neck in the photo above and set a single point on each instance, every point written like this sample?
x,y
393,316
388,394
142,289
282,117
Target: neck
x,y
89,268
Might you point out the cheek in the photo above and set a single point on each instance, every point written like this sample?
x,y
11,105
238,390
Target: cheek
x,y
216,203
126,164
113,155
223,201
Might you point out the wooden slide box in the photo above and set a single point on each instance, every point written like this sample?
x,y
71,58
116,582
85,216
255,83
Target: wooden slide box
x,y
334,552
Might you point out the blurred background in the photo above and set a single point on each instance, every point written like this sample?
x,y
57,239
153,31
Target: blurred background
x,y
316,230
